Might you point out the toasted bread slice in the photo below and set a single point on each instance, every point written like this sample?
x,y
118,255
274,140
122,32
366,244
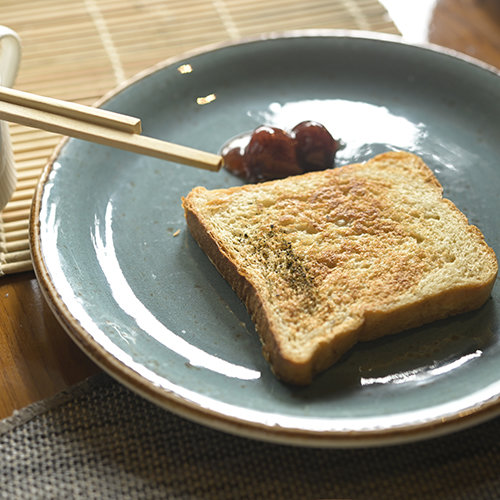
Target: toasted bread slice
x,y
326,259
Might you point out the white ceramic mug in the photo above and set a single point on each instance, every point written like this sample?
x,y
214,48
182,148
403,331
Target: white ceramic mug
x,y
10,56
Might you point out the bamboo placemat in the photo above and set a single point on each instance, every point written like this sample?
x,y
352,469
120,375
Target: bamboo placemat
x,y
78,50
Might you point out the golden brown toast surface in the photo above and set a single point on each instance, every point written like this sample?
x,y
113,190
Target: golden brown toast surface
x,y
329,258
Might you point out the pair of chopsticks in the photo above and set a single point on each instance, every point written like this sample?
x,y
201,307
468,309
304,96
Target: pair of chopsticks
x,y
96,125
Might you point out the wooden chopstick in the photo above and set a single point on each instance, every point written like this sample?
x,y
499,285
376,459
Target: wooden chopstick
x,y
96,125
72,110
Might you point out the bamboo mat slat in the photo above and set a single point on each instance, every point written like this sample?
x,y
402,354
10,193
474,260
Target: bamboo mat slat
x,y
81,50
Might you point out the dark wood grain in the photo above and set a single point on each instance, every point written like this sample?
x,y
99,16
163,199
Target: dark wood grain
x,y
469,26
37,357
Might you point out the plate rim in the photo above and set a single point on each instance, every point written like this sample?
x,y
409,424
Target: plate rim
x,y
206,416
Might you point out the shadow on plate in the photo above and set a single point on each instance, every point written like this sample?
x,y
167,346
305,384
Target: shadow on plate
x,y
409,359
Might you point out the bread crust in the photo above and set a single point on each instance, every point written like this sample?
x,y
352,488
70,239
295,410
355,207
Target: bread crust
x,y
239,282
375,318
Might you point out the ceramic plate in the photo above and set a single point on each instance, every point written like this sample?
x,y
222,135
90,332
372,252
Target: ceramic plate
x,y
132,288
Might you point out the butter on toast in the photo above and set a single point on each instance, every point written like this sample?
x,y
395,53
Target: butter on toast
x,y
326,259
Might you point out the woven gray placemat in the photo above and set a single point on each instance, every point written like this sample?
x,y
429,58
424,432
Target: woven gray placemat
x,y
100,440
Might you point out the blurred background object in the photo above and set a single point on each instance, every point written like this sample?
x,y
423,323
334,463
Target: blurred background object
x,y
469,26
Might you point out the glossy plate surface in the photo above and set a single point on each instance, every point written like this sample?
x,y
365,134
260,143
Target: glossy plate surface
x,y
117,264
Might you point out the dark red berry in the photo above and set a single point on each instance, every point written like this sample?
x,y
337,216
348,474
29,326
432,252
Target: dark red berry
x,y
271,154
316,148
234,161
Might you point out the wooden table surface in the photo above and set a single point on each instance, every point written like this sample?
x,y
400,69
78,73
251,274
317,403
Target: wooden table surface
x,y
38,359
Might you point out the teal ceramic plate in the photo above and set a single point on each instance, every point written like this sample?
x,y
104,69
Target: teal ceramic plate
x,y
120,270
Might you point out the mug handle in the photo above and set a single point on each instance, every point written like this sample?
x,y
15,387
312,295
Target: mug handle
x,y
10,56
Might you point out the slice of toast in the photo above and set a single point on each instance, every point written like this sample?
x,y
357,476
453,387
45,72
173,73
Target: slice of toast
x,y
326,259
